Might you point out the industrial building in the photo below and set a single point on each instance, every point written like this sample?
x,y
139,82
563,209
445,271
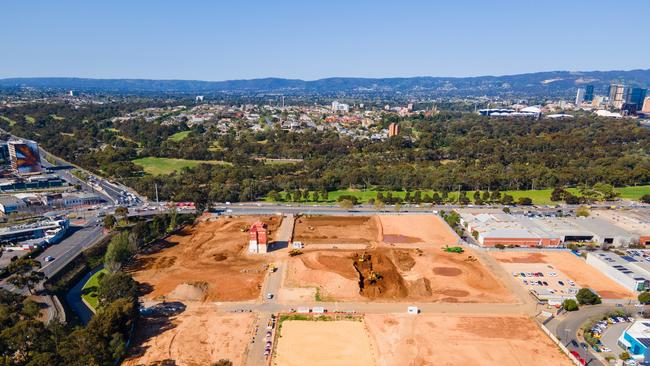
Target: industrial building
x,y
632,271
633,221
50,230
494,227
636,340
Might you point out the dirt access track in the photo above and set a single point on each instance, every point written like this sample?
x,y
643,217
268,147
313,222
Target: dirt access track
x,y
426,339
575,268
206,261
197,337
429,275
324,343
374,230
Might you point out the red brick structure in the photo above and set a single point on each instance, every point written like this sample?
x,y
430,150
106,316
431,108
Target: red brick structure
x,y
258,238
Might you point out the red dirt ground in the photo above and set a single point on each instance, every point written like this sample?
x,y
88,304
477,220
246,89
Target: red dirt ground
x,y
207,261
450,340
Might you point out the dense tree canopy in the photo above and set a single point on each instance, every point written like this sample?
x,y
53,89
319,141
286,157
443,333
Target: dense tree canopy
x,y
441,152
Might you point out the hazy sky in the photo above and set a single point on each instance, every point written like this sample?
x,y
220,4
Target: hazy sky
x,y
310,39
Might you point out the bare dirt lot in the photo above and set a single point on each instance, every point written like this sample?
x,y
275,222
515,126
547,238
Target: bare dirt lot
x,y
461,340
429,275
324,343
207,261
573,267
337,230
416,229
197,337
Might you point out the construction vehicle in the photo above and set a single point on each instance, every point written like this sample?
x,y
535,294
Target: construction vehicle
x,y
449,249
272,268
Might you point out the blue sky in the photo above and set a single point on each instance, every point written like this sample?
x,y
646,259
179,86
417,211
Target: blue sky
x,y
309,39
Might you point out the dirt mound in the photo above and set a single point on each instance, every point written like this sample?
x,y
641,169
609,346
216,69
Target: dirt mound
x,y
447,271
403,260
187,291
378,276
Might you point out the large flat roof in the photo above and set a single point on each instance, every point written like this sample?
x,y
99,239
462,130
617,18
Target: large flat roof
x,y
493,224
627,265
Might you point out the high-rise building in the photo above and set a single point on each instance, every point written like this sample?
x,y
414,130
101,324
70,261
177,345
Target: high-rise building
x,y
617,95
589,93
393,129
637,97
580,97
646,105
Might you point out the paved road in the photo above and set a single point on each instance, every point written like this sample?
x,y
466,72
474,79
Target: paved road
x,y
63,252
567,329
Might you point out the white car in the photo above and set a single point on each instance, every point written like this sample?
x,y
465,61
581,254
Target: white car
x,y
49,258
269,296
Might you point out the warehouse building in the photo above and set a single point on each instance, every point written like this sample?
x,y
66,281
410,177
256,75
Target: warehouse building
x,y
635,221
494,227
632,272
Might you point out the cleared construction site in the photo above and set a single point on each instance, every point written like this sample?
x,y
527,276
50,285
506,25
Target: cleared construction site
x,y
228,272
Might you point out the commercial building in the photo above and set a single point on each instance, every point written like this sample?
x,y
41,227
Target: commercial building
x,y
580,96
530,112
589,93
491,228
25,156
340,107
646,105
618,94
636,340
50,230
636,222
11,204
258,238
393,129
637,97
494,227
631,272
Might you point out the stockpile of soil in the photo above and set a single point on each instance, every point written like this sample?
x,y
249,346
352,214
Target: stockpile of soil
x,y
378,276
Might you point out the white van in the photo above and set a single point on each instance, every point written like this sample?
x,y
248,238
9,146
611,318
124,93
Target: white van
x,y
413,310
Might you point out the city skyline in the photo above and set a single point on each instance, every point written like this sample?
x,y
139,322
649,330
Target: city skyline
x,y
290,39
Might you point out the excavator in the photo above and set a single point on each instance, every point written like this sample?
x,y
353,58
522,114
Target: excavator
x,y
449,249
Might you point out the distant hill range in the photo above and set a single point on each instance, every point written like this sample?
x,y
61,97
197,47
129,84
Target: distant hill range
x,y
541,84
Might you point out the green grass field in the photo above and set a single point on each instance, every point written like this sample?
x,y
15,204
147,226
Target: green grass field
x,y
89,291
539,197
9,120
161,166
179,136
29,119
